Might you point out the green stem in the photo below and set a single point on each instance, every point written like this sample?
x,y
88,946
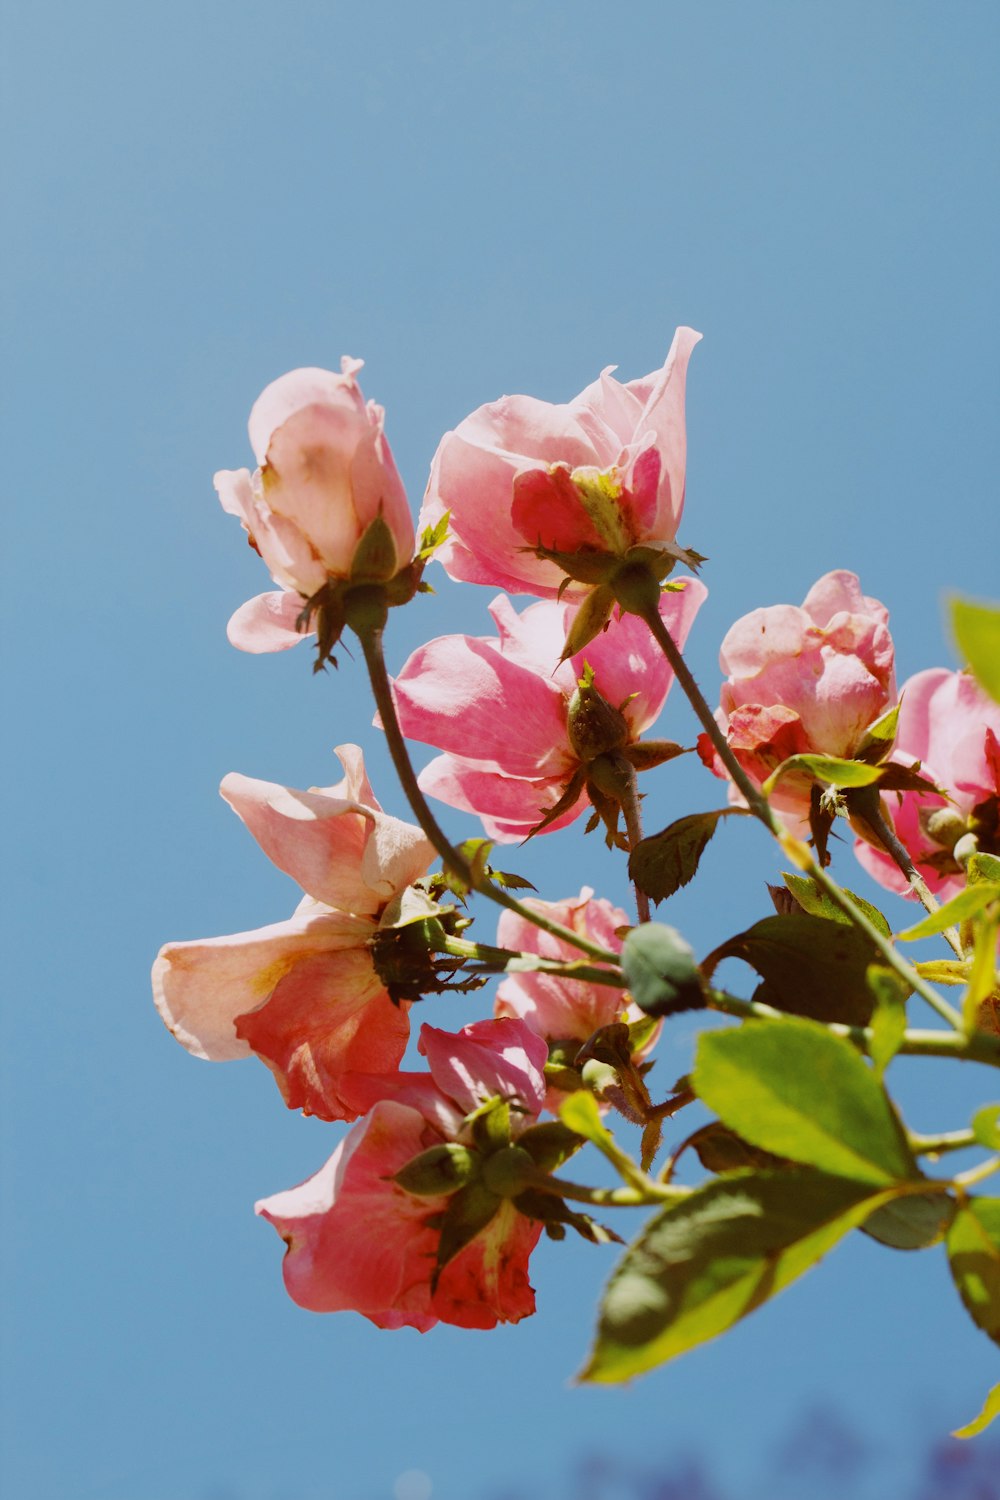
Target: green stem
x,y
637,1196
370,636
633,827
761,809
977,1174
937,1145
507,961
979,1047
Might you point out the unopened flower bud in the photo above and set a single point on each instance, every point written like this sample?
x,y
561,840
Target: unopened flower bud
x,y
594,726
944,825
442,1169
966,847
508,1172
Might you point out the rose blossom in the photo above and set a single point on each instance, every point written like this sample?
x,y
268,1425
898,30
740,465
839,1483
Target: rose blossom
x,y
325,473
303,994
803,679
499,706
948,723
357,1240
603,473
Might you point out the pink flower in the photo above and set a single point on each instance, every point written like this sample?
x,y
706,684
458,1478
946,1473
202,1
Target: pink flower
x,y
326,473
565,1010
500,707
303,994
949,724
809,679
358,1240
599,475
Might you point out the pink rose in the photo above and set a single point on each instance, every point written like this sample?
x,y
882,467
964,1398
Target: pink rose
x,y
565,1010
326,473
809,679
303,994
949,724
358,1240
599,475
499,707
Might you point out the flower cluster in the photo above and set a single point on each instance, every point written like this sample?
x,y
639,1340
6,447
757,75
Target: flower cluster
x,y
430,1205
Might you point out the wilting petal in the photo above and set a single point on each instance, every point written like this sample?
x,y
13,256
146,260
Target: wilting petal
x,y
201,987
487,1282
267,623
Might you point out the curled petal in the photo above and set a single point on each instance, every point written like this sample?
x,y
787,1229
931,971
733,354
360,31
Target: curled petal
x,y
502,1057
268,622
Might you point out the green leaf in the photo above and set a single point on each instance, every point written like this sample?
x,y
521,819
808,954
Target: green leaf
x,y
580,1113
983,969
720,1149
983,867
974,1257
702,1264
834,770
888,1023
991,1410
817,903
791,1087
663,863
809,966
660,970
986,1126
913,1222
951,971
966,904
977,635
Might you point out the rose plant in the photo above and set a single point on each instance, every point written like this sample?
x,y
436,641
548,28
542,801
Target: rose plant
x,y
428,1208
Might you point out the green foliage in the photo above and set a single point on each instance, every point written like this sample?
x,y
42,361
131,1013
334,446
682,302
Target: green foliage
x,y
663,863
791,1087
913,1222
660,970
888,1023
986,1126
817,903
977,635
809,966
702,1264
974,1257
968,903
846,775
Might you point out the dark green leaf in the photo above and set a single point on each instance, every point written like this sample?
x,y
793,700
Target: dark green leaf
x,y
702,1264
817,903
809,966
977,634
663,863
660,970
974,1257
911,1223
791,1087
720,1149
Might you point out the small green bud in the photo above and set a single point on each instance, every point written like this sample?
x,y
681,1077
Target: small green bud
x,y
508,1172
636,588
944,825
594,725
440,1170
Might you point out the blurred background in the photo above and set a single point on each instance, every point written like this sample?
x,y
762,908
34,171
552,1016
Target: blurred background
x,y
477,199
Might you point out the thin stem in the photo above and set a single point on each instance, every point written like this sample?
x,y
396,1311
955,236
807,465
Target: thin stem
x,y
371,644
977,1174
507,961
636,1196
979,1047
869,810
761,809
633,827
937,1145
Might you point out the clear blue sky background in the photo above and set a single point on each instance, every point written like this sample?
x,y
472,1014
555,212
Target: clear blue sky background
x,y
476,199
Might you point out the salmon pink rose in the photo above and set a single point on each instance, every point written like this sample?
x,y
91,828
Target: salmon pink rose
x,y
500,708
803,679
357,1239
325,474
303,995
597,476
948,723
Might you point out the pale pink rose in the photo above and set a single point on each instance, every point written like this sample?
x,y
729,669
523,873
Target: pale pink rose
x,y
948,723
516,473
804,679
498,706
325,472
303,995
357,1240
565,1010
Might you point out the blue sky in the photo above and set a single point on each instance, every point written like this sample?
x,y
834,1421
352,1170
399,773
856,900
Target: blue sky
x,y
475,199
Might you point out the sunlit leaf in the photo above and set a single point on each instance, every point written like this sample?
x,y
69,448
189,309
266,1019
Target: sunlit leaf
x,y
966,904
977,634
818,904
974,1257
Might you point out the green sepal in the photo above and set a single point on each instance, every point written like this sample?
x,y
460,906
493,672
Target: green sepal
x,y
442,1169
549,1144
375,558
468,1212
646,755
879,737
570,795
490,1124
593,616
551,1210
